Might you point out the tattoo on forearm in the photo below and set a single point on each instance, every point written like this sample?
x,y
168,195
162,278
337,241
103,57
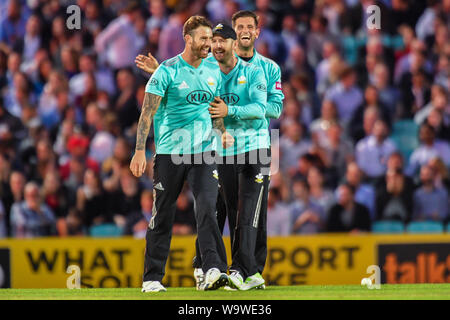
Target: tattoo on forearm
x,y
218,124
149,108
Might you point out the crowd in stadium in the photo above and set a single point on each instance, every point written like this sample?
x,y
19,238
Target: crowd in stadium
x,y
364,135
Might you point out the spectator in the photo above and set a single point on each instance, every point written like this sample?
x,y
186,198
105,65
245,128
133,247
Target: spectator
x,y
102,144
125,199
116,44
32,40
293,145
346,95
394,202
415,90
339,152
429,148
55,194
171,43
296,62
373,151
13,27
32,218
13,193
78,146
320,125
363,193
371,101
126,104
395,162
87,65
158,17
307,216
430,202
48,110
91,200
290,34
11,128
316,39
278,216
319,194
328,50
184,223
441,176
388,95
347,215
436,119
137,222
439,101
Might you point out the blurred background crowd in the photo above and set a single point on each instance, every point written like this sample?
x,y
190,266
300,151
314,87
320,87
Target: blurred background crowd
x,y
364,133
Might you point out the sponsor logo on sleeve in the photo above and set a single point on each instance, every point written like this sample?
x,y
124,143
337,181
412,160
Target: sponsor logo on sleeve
x,y
278,85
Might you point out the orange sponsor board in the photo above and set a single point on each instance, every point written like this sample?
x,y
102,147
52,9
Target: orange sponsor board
x,y
415,263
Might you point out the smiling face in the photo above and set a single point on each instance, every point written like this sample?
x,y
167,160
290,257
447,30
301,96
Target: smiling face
x,y
222,49
247,32
199,41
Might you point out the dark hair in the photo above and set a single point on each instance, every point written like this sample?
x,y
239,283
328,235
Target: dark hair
x,y
193,23
275,192
428,126
244,14
349,187
302,181
131,6
346,71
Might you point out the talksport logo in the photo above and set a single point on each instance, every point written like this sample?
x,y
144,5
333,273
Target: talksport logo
x,y
5,269
414,263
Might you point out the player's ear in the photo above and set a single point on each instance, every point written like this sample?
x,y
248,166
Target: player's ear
x,y
187,38
258,30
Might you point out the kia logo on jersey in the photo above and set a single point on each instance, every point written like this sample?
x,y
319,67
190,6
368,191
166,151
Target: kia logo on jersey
x,y
199,97
230,98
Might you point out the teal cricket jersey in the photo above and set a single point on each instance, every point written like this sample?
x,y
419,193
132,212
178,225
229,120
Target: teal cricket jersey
x,y
244,90
182,122
275,95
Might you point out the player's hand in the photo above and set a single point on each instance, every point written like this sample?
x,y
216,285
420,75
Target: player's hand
x,y
138,163
148,64
227,140
218,108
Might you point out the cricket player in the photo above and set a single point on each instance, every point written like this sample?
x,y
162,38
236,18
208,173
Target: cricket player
x,y
177,97
241,174
245,24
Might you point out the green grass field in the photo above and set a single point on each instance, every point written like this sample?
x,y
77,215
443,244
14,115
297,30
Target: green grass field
x,y
332,292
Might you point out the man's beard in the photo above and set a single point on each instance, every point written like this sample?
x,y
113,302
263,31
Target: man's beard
x,y
197,51
225,56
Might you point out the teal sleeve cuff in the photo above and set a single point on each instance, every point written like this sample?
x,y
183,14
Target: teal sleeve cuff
x,y
232,111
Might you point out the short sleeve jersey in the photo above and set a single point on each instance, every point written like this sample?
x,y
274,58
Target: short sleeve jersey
x,y
182,123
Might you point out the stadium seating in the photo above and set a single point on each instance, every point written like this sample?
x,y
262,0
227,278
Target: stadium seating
x,y
388,227
405,136
105,230
425,227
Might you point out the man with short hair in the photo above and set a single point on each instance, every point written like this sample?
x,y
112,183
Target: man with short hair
x,y
178,97
373,151
243,168
31,217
